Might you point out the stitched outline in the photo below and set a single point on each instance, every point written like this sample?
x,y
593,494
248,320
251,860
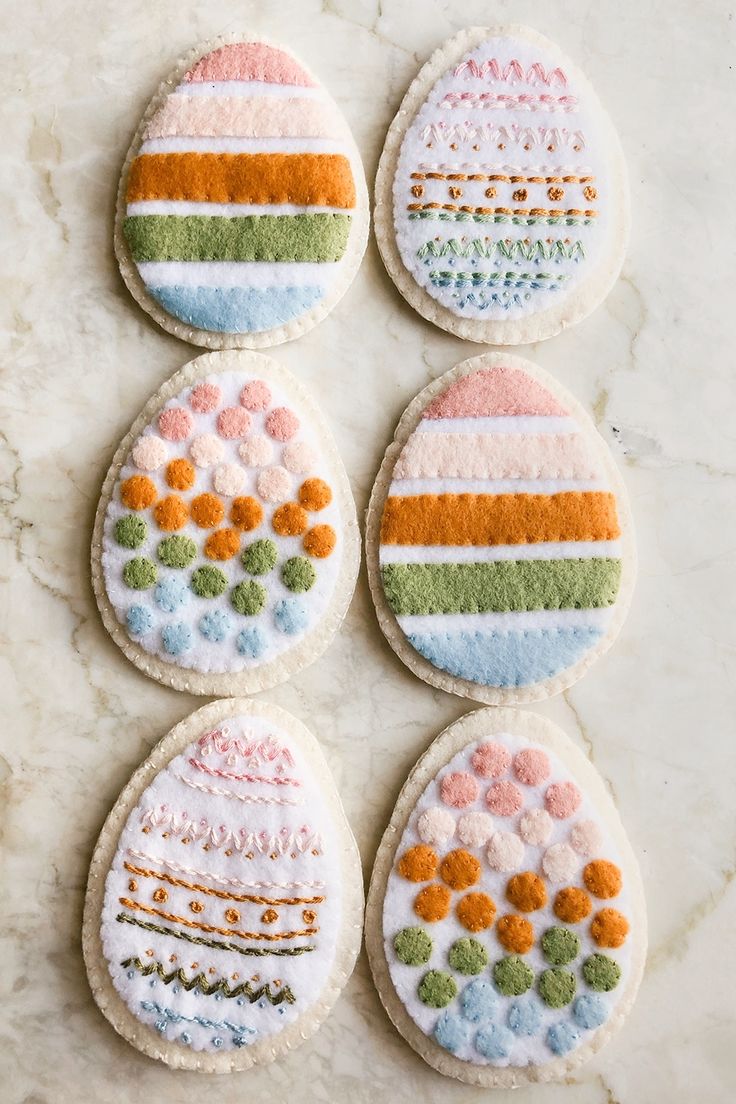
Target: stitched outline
x,y
512,72
253,898
524,101
124,918
510,250
255,778
223,881
538,211
515,220
208,988
514,179
249,799
268,936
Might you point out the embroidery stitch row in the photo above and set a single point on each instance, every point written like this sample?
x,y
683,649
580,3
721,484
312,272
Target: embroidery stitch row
x,y
222,881
288,843
222,894
551,213
524,101
270,937
267,750
510,250
514,179
465,216
249,799
551,137
253,778
512,72
209,988
124,918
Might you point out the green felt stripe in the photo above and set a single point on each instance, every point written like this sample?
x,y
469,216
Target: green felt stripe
x,y
502,586
244,238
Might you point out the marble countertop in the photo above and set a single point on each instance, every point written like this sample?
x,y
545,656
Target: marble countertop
x,y
653,364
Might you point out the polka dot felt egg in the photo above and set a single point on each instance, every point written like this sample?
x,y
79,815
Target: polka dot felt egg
x,y
224,903
505,924
242,211
499,544
226,547
502,208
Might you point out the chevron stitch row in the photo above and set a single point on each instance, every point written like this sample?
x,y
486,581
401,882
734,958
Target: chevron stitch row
x,y
510,250
209,988
513,72
256,751
284,843
524,101
465,132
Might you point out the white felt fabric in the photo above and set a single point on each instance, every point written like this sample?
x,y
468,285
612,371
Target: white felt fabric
x,y
237,273
545,550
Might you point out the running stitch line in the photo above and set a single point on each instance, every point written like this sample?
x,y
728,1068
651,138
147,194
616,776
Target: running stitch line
x,y
222,894
268,936
209,988
261,952
249,799
222,881
243,777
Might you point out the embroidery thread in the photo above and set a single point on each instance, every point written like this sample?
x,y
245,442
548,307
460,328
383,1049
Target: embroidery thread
x,y
509,250
524,101
124,918
210,988
249,799
285,844
513,72
551,137
222,894
220,880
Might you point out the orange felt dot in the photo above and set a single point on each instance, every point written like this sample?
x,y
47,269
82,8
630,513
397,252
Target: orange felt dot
x,y
609,928
515,934
246,513
459,869
170,513
290,520
602,878
526,891
433,903
572,905
419,864
476,911
138,492
180,475
315,494
207,511
320,541
222,545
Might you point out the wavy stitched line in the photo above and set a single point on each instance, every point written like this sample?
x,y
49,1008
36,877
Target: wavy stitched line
x,y
177,1017
208,988
474,166
524,101
270,937
222,881
222,894
510,250
285,844
514,220
256,750
537,211
551,137
512,72
249,799
216,772
261,952
502,177
497,279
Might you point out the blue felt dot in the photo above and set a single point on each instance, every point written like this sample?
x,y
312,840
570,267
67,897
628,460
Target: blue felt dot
x,y
177,638
251,642
450,1031
589,1011
478,1001
171,594
494,1042
525,1017
561,1038
215,626
139,620
290,616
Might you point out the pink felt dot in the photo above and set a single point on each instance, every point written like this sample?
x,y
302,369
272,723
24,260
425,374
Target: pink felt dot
x,y
232,422
149,452
282,423
504,799
490,760
274,485
205,398
536,826
256,395
586,837
256,451
299,457
562,799
531,766
206,450
459,789
175,424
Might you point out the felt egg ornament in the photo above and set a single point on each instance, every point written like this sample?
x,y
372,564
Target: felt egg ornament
x,y
225,547
502,208
499,543
242,212
224,902
505,923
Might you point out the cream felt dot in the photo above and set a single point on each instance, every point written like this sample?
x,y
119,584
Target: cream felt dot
x,y
233,422
560,863
256,395
206,450
436,826
282,423
229,479
535,826
176,423
149,453
585,838
274,484
205,398
505,852
256,451
475,829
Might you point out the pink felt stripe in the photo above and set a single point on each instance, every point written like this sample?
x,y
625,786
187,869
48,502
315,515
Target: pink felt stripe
x,y
496,456
242,117
494,392
249,61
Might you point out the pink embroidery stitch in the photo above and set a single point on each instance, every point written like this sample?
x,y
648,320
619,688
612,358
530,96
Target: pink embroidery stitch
x,y
524,101
254,750
284,843
513,72
255,778
236,882
247,799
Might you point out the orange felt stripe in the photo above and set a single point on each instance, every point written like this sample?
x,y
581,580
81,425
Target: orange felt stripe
x,y
499,519
323,179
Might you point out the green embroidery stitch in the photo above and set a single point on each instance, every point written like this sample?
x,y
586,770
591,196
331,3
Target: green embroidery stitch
x,y
514,220
459,279
510,250
261,952
199,981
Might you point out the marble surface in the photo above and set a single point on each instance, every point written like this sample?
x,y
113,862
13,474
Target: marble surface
x,y
653,364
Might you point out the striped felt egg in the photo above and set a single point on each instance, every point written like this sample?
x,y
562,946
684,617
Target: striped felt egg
x,y
499,544
242,211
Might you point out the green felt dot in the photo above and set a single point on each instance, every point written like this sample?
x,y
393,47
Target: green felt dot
x,y
259,557
468,956
413,946
248,598
437,989
512,976
130,531
177,551
560,946
140,573
556,987
601,973
208,582
298,574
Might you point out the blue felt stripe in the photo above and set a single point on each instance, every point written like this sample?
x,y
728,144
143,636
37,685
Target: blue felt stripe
x,y
236,309
505,658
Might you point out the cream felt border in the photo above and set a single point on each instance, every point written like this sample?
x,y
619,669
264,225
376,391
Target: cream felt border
x,y
474,726
491,695
593,289
111,1004
316,641
357,241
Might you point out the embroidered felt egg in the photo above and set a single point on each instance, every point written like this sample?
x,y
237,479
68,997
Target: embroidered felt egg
x,y
224,903
226,547
242,211
499,544
505,924
502,208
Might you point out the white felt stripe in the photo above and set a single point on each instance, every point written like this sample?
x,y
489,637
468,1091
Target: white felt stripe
x,y
523,423
408,487
545,550
186,144
241,116
502,456
236,273
225,210
248,88
549,620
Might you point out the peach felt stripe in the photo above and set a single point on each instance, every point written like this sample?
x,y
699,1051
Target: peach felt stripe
x,y
483,456
242,117
310,178
244,61
499,519
494,392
